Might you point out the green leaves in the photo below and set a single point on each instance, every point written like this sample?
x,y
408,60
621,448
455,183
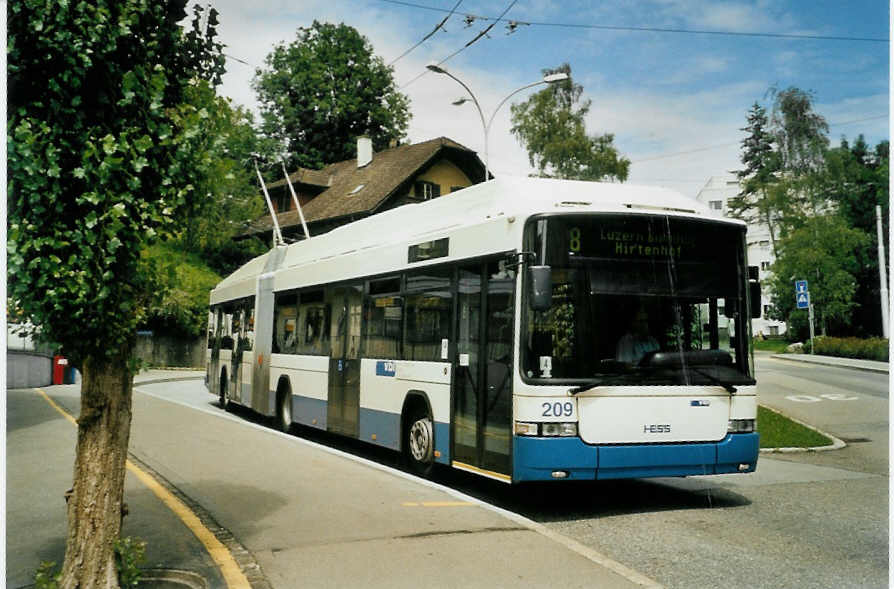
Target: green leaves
x,y
550,125
324,89
100,163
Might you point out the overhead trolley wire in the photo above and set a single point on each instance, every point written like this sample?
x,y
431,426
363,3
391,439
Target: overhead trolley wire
x,y
666,29
439,26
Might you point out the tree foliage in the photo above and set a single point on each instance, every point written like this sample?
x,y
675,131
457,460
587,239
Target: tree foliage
x,y
825,252
550,125
323,90
105,154
757,201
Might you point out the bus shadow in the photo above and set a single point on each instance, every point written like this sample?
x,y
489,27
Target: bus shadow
x,y
573,500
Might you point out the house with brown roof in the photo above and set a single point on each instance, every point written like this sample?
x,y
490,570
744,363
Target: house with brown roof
x,y
374,182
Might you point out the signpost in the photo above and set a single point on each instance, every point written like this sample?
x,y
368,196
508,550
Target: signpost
x,y
802,299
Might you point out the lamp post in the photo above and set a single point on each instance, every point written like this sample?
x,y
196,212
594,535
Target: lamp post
x,y
550,79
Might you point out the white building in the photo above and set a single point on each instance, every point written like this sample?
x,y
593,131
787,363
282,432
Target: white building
x,y
715,194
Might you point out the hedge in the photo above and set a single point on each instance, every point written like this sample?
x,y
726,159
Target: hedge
x,y
874,348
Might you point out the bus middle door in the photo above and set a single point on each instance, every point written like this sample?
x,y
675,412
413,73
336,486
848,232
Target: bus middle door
x,y
344,361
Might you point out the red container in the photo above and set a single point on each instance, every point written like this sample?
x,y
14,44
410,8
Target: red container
x,y
60,364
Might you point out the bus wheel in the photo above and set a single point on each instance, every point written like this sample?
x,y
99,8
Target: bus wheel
x,y
419,443
283,419
224,400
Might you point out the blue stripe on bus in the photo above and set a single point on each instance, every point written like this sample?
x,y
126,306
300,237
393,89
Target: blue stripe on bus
x,y
384,425
535,459
442,442
305,410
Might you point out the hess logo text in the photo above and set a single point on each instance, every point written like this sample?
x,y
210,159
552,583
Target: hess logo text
x,y
657,428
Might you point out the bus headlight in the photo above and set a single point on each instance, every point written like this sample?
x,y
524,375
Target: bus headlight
x,y
740,426
525,428
550,430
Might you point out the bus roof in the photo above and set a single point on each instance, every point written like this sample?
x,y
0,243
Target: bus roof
x,y
478,204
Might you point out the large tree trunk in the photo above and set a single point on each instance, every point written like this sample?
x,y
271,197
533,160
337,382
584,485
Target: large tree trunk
x,y
97,497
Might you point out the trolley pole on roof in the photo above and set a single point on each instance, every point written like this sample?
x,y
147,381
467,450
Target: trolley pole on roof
x,y
277,234
295,200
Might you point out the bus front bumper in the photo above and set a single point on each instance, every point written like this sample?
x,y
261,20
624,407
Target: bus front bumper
x,y
550,459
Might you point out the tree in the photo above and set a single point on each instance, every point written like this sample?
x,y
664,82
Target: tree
x,y
550,125
757,202
856,180
801,144
323,90
825,252
104,154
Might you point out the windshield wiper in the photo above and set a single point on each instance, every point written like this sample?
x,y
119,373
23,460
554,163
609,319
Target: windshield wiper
x,y
584,387
727,386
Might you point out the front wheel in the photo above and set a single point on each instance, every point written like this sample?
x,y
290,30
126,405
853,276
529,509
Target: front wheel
x,y
420,444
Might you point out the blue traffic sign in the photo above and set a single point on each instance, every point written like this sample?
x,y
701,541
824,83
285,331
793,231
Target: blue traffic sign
x,y
803,300
800,286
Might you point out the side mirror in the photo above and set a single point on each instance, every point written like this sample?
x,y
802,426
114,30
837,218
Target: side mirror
x,y
540,279
754,292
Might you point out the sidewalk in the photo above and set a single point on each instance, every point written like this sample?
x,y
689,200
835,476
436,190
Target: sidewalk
x,y
865,365
308,515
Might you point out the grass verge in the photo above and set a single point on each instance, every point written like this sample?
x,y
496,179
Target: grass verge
x,y
777,346
778,431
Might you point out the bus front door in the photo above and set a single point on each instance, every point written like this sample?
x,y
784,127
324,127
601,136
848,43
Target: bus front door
x,y
483,369
344,360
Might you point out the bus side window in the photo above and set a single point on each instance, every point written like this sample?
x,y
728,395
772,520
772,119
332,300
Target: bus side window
x,y
285,324
428,312
226,342
312,324
383,319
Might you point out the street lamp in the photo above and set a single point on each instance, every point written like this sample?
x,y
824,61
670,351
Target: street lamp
x,y
550,79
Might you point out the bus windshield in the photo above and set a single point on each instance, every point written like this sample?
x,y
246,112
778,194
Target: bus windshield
x,y
638,300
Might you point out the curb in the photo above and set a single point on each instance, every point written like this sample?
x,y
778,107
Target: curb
x,y
171,379
837,444
878,370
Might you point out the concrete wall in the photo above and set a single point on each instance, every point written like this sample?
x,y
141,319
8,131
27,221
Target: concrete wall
x,y
27,369
160,350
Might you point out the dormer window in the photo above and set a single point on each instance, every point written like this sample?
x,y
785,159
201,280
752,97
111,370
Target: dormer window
x,y
426,190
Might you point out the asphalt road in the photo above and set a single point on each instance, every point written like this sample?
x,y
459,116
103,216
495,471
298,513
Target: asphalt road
x,y
802,520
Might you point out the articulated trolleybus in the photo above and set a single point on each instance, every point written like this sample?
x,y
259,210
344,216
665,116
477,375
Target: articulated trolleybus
x,y
521,329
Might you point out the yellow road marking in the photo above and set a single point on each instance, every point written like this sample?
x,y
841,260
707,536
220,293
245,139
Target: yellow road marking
x,y
219,553
437,503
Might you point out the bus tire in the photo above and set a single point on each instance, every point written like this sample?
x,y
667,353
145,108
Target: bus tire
x,y
282,421
224,393
419,441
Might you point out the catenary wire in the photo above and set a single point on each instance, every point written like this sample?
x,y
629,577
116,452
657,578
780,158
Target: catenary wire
x,y
428,36
668,29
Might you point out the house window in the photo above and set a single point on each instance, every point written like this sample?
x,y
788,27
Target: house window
x,y
715,205
765,266
426,190
282,203
766,311
774,330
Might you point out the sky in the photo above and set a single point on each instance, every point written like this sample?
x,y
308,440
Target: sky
x,y
675,96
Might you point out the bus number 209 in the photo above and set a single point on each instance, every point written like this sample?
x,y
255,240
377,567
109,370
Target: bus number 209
x,y
558,409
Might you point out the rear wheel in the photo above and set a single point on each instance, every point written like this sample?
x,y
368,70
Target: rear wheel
x,y
224,395
419,443
283,419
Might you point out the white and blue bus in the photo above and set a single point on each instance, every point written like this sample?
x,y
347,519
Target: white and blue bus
x,y
521,329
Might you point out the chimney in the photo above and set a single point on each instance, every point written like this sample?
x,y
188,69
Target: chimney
x,y
364,151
